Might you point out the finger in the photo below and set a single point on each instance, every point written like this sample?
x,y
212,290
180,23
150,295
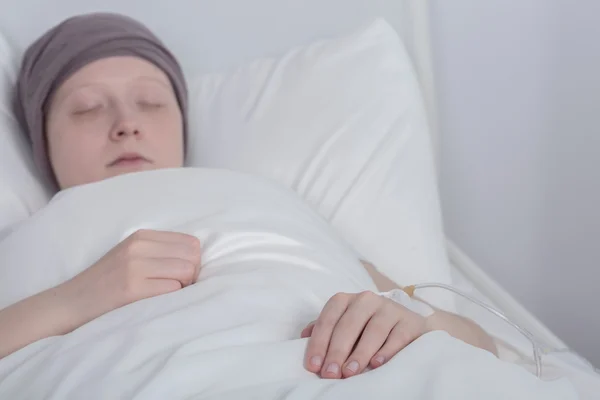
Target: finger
x,y
307,332
153,249
400,337
321,333
157,287
170,268
166,236
372,339
347,332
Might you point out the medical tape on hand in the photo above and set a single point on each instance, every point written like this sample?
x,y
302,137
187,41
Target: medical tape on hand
x,y
414,305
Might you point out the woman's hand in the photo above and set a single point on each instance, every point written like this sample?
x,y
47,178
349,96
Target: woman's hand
x,y
146,264
358,330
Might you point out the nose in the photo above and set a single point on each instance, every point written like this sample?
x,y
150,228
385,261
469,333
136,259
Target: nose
x,y
125,126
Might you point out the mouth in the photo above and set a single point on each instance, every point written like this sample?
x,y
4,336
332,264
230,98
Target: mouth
x,y
129,160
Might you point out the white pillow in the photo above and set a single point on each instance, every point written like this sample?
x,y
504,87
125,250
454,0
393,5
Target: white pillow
x,y
21,192
342,122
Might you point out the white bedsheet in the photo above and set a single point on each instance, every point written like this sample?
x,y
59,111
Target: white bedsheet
x,y
269,265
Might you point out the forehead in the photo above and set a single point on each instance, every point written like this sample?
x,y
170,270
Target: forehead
x,y
114,69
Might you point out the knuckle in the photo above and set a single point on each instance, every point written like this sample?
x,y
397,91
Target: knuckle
x,y
318,343
195,243
366,295
340,297
139,234
133,248
341,348
325,322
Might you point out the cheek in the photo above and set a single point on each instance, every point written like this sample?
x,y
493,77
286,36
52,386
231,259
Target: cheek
x,y
73,155
169,140
68,143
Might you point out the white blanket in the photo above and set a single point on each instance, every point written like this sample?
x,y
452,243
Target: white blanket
x,y
269,265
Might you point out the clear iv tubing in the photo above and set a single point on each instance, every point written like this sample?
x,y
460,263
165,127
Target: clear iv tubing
x,y
536,349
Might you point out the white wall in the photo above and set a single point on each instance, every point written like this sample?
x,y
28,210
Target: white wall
x,y
519,85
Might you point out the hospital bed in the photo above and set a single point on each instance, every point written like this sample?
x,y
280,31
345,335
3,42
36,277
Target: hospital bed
x,y
219,35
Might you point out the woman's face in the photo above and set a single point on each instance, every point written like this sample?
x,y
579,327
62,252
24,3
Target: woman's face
x,y
113,116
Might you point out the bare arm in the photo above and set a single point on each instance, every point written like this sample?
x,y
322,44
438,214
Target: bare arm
x,y
459,327
43,315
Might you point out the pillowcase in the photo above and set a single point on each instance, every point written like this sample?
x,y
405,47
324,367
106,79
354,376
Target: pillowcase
x,y
342,122
21,191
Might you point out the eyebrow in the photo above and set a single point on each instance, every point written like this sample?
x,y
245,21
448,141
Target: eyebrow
x,y
166,85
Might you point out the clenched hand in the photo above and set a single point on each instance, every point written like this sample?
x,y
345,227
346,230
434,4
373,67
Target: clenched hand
x,y
146,264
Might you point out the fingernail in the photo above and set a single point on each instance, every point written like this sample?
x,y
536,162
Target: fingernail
x,y
353,366
379,359
333,368
316,361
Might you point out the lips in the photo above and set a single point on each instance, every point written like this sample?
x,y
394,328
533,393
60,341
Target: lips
x,y
129,160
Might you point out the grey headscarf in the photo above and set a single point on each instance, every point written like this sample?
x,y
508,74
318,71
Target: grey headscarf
x,y
71,45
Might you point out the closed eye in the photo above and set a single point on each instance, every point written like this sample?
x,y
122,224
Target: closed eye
x,y
150,105
87,110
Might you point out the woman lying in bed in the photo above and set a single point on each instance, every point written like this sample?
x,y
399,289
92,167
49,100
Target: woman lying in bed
x,y
100,96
